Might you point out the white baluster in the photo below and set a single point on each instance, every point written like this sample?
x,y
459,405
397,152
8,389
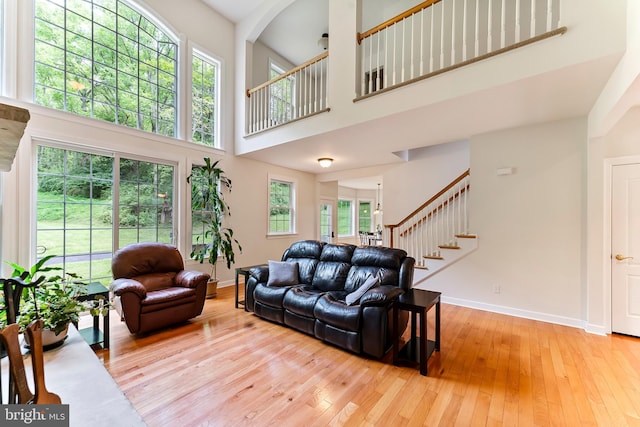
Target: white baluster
x,y
441,35
431,56
453,32
490,27
549,15
412,52
404,33
503,25
378,64
422,12
464,29
370,66
395,44
477,29
386,54
533,18
517,30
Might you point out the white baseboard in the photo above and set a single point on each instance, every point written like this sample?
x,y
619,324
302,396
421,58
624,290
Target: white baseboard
x,y
510,311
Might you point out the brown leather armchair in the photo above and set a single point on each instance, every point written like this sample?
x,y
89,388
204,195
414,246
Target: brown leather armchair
x,y
153,288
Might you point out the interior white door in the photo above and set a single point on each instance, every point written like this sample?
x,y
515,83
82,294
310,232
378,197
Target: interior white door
x,y
326,221
625,245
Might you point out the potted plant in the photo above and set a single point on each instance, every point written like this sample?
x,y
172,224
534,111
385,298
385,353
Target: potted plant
x,y
207,197
52,299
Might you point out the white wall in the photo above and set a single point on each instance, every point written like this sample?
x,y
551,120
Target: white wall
x,y
430,169
261,60
529,224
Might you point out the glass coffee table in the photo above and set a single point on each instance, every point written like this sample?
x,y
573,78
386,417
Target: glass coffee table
x,y
419,348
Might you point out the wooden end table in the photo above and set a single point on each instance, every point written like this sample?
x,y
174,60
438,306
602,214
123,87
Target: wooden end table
x,y
93,335
418,349
244,271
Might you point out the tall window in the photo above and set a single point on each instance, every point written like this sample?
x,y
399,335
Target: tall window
x,y
281,102
204,101
145,202
76,218
345,217
103,59
364,216
281,207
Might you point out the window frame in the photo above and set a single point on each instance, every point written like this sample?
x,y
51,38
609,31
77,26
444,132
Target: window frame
x,y
202,54
371,208
275,67
117,106
116,156
351,216
293,185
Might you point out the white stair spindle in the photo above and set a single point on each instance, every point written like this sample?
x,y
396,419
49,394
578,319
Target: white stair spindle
x,y
441,35
422,12
490,27
549,15
503,25
395,45
412,52
404,33
477,29
464,29
431,40
517,29
533,18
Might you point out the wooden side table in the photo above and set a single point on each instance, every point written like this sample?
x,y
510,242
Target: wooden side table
x,y
244,271
93,335
418,349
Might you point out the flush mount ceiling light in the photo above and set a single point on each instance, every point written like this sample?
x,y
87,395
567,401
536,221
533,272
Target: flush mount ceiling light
x,y
325,162
323,42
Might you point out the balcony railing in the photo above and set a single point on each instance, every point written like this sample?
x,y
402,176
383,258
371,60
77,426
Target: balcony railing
x,y
439,35
300,92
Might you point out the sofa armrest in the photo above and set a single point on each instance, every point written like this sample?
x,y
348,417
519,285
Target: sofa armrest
x,y
380,295
122,286
191,278
260,273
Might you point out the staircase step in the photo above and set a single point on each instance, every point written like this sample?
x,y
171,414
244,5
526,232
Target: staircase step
x,y
449,247
420,267
432,257
466,236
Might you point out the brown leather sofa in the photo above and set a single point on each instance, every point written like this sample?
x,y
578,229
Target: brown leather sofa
x,y
152,287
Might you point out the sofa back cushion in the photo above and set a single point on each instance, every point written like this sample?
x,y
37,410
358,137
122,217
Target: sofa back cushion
x,y
383,263
307,254
138,259
333,268
156,281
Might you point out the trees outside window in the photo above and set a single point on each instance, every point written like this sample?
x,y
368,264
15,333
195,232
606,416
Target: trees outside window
x,y
282,95
107,61
345,218
76,217
281,207
204,99
364,216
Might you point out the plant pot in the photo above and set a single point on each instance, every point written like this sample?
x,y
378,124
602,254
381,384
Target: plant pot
x,y
212,288
49,338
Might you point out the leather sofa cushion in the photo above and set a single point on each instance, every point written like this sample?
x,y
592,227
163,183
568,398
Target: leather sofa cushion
x,y
270,295
143,258
168,294
283,273
306,253
337,314
333,268
155,281
301,300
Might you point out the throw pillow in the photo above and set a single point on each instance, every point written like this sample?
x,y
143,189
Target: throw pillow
x,y
283,273
355,296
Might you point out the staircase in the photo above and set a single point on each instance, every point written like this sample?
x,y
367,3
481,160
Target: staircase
x,y
437,233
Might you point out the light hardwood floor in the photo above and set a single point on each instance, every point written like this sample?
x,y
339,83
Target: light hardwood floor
x,y
228,367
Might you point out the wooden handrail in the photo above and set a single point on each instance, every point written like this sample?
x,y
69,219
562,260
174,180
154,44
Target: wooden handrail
x,y
397,18
434,211
288,73
433,199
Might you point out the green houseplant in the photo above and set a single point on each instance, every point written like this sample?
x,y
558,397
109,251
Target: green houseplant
x,y
209,206
54,299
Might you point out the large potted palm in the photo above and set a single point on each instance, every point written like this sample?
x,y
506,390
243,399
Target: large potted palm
x,y
216,241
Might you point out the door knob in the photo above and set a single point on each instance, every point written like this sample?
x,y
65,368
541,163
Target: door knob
x,y
622,258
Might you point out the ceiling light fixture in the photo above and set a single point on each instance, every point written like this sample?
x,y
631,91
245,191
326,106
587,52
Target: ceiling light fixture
x,y
325,162
323,42
378,210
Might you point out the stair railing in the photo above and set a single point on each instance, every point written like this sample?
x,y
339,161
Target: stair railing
x,y
440,35
299,93
438,223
